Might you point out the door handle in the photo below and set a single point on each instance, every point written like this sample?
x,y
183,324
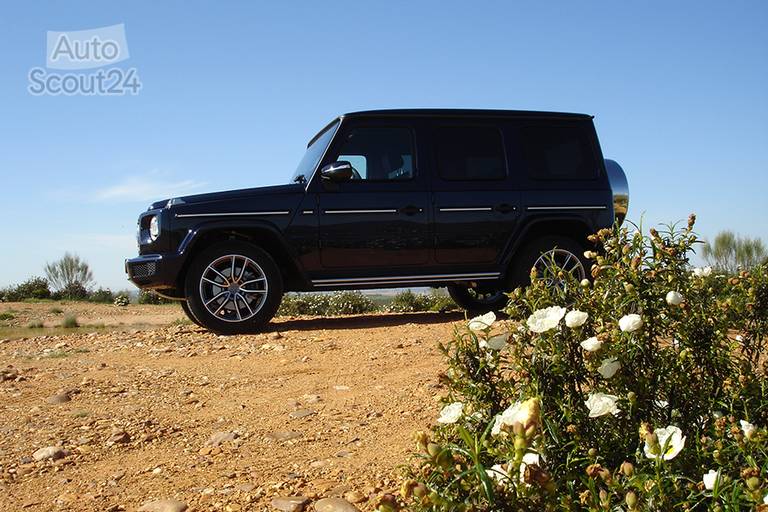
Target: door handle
x,y
505,208
410,210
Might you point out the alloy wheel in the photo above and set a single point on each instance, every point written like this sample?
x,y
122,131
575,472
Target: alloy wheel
x,y
233,288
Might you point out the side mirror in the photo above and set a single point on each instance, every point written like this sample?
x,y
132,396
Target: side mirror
x,y
337,171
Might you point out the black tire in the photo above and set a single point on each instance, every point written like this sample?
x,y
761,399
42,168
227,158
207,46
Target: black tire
x,y
562,246
188,312
215,288
481,300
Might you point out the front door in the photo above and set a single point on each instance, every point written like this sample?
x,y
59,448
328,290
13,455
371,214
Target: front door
x,y
379,218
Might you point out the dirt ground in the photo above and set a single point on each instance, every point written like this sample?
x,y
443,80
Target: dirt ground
x,y
156,408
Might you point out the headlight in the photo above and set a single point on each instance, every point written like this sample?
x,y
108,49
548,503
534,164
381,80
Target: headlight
x,y
154,228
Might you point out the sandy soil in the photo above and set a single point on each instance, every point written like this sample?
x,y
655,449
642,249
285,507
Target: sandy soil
x,y
316,407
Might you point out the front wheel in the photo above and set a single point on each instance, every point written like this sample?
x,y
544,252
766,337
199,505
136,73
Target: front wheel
x,y
233,288
478,300
188,312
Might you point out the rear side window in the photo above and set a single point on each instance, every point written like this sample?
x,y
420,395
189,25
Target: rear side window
x,y
559,152
470,153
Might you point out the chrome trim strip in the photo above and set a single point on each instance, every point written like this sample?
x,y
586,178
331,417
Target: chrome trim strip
x,y
357,280
388,210
231,214
307,212
469,209
594,207
186,241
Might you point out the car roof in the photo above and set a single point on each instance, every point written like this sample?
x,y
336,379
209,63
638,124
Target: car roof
x,y
462,112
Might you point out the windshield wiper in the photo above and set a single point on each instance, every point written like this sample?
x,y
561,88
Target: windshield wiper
x,y
300,179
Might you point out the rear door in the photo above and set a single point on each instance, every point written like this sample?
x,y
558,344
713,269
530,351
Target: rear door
x,y
475,206
378,221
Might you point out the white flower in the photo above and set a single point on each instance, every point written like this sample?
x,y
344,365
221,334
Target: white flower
x,y
451,413
709,479
748,429
576,318
630,323
765,500
590,254
739,338
609,367
498,473
483,322
543,320
674,298
591,344
497,342
702,271
671,441
520,412
529,459
600,404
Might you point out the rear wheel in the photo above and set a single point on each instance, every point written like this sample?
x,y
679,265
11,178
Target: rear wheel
x,y
233,288
480,299
548,255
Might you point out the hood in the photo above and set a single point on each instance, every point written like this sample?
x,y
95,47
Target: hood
x,y
273,190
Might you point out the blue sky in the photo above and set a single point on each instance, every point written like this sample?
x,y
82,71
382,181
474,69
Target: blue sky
x,y
232,92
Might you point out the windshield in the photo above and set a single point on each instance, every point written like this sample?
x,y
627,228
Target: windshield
x,y
314,153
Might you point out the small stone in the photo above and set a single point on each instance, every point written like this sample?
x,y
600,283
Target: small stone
x,y
275,335
164,506
341,388
355,497
59,398
50,452
221,437
247,487
119,437
302,413
312,399
283,435
290,503
335,505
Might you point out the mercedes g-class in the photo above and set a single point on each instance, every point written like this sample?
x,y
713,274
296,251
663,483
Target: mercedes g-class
x,y
467,199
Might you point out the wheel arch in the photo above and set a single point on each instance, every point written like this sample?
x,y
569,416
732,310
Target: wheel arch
x,y
263,236
575,228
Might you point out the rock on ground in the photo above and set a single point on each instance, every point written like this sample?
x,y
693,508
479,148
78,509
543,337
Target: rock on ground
x,y
164,506
335,505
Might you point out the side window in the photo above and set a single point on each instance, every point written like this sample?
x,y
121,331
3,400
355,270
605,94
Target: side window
x,y
470,153
559,152
379,153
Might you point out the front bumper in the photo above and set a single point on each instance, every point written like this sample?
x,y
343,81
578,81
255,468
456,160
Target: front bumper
x,y
154,271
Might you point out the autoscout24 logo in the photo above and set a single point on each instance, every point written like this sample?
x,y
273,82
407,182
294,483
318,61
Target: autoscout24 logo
x,y
76,52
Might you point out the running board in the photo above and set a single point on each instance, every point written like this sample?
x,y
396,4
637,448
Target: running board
x,y
361,281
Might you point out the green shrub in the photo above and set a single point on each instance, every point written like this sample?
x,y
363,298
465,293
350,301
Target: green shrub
x,y
5,315
121,300
326,304
409,302
104,296
32,288
72,291
644,390
56,311
70,322
35,324
150,297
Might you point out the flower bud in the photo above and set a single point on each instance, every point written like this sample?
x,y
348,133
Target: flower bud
x,y
422,440
592,453
753,483
584,283
433,449
631,500
420,490
653,443
627,468
632,397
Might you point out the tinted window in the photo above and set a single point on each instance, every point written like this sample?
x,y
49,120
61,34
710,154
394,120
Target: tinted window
x,y
559,152
379,153
470,153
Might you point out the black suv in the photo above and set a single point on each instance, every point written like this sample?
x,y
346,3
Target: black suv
x,y
468,199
